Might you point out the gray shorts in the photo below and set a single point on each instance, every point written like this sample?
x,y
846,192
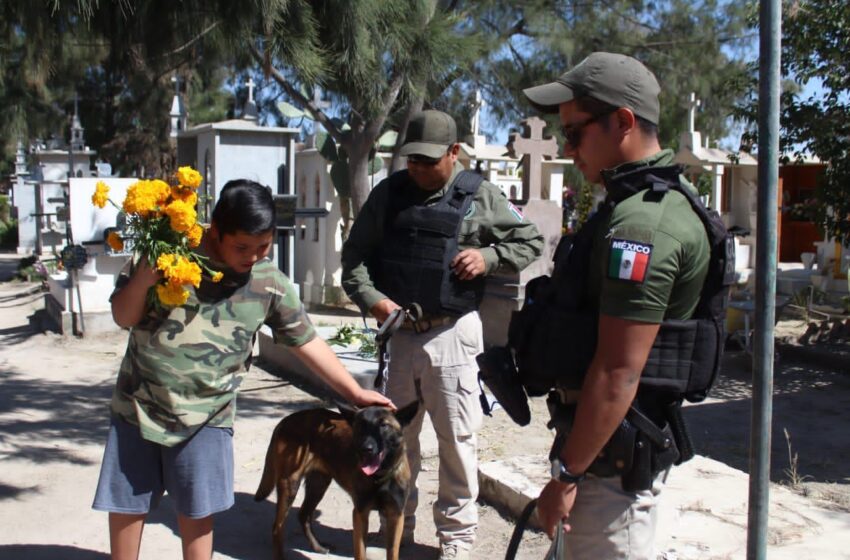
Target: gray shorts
x,y
197,473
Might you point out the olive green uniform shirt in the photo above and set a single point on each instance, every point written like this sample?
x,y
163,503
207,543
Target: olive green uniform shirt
x,y
183,366
650,261
506,239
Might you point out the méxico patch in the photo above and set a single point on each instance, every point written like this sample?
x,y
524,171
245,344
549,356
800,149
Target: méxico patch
x,y
629,260
514,212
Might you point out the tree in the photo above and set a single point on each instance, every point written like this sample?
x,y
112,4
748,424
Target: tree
x,y
691,47
816,40
365,53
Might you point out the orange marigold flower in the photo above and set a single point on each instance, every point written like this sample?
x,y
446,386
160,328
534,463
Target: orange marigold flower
x,y
171,295
182,215
188,177
194,235
101,194
114,240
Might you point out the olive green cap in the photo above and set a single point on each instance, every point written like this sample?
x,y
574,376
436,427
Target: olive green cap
x,y
616,79
430,134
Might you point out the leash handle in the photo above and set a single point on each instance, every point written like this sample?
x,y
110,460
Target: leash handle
x,y
516,537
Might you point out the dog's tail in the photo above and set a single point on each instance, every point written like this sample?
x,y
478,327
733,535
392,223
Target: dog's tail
x,y
268,478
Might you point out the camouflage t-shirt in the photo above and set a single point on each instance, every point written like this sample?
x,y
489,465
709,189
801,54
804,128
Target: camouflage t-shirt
x,y
182,367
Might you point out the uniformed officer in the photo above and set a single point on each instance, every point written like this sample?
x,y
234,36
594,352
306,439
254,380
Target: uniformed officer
x,y
648,263
428,235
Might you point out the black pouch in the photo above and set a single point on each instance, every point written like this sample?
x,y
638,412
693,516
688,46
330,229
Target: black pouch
x,y
498,372
618,455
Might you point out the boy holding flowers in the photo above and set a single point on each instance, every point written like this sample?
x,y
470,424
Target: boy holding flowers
x,y
174,402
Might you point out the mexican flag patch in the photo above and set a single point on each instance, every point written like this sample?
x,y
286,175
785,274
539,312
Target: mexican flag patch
x,y
629,260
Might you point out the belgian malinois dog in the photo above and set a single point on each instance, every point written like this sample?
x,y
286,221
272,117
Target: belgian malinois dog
x,y
362,451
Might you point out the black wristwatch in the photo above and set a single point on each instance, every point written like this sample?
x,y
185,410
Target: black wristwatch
x,y
562,474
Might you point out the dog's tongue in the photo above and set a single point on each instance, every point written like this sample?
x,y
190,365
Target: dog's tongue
x,y
372,465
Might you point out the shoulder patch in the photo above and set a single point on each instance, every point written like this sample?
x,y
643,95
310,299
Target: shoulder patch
x,y
629,260
469,211
514,211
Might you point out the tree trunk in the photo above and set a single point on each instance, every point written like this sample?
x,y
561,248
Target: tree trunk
x,y
358,175
413,107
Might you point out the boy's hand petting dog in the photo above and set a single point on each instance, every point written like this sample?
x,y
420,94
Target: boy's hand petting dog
x,y
372,398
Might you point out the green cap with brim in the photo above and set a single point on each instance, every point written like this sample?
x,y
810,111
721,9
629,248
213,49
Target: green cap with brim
x,y
430,134
616,79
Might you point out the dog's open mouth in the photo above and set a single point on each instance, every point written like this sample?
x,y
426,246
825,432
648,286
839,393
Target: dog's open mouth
x,y
370,465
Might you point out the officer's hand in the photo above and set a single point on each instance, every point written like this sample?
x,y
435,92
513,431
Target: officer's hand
x,y
468,264
383,308
372,398
554,505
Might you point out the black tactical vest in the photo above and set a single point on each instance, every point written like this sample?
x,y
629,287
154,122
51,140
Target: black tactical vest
x,y
420,243
554,334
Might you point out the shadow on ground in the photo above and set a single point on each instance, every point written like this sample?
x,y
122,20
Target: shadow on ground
x,y
49,552
244,531
808,401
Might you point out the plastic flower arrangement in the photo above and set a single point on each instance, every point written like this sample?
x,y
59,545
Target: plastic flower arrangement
x,y
162,226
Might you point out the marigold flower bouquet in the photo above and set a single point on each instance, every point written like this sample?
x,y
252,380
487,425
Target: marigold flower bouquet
x,y
162,225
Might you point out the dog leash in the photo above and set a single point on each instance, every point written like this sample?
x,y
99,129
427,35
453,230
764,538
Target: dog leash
x,y
555,552
521,523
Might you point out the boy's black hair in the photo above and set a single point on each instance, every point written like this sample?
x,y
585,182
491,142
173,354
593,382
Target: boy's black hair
x,y
245,206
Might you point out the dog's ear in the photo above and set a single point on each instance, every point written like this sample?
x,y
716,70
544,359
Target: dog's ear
x,y
406,414
348,411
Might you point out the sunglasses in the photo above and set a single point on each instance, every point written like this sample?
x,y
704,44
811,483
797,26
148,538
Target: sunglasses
x,y
423,160
572,133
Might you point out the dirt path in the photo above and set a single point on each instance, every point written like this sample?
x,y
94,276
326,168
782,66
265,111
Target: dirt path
x,y
53,420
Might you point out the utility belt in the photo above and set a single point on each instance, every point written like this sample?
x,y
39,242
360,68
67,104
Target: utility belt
x,y
427,323
638,450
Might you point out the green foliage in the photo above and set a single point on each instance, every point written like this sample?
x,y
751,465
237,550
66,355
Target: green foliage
x,y
32,269
348,334
690,46
815,43
703,184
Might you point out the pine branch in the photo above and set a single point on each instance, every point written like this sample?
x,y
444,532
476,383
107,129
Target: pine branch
x,y
318,115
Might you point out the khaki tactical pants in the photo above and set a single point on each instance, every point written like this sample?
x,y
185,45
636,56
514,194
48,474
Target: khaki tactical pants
x,y
438,367
610,523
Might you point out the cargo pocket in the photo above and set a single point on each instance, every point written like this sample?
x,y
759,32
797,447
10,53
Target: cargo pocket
x,y
457,410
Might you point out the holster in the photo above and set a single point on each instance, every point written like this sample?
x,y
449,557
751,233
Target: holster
x,y
637,452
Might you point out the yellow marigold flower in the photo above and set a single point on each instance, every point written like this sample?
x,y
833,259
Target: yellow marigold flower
x,y
114,240
160,189
217,276
188,196
188,177
141,199
101,194
166,261
171,295
182,215
186,272
179,270
195,233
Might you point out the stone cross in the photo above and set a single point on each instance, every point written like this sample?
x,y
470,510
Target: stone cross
x,y
693,103
475,125
318,102
250,83
533,148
